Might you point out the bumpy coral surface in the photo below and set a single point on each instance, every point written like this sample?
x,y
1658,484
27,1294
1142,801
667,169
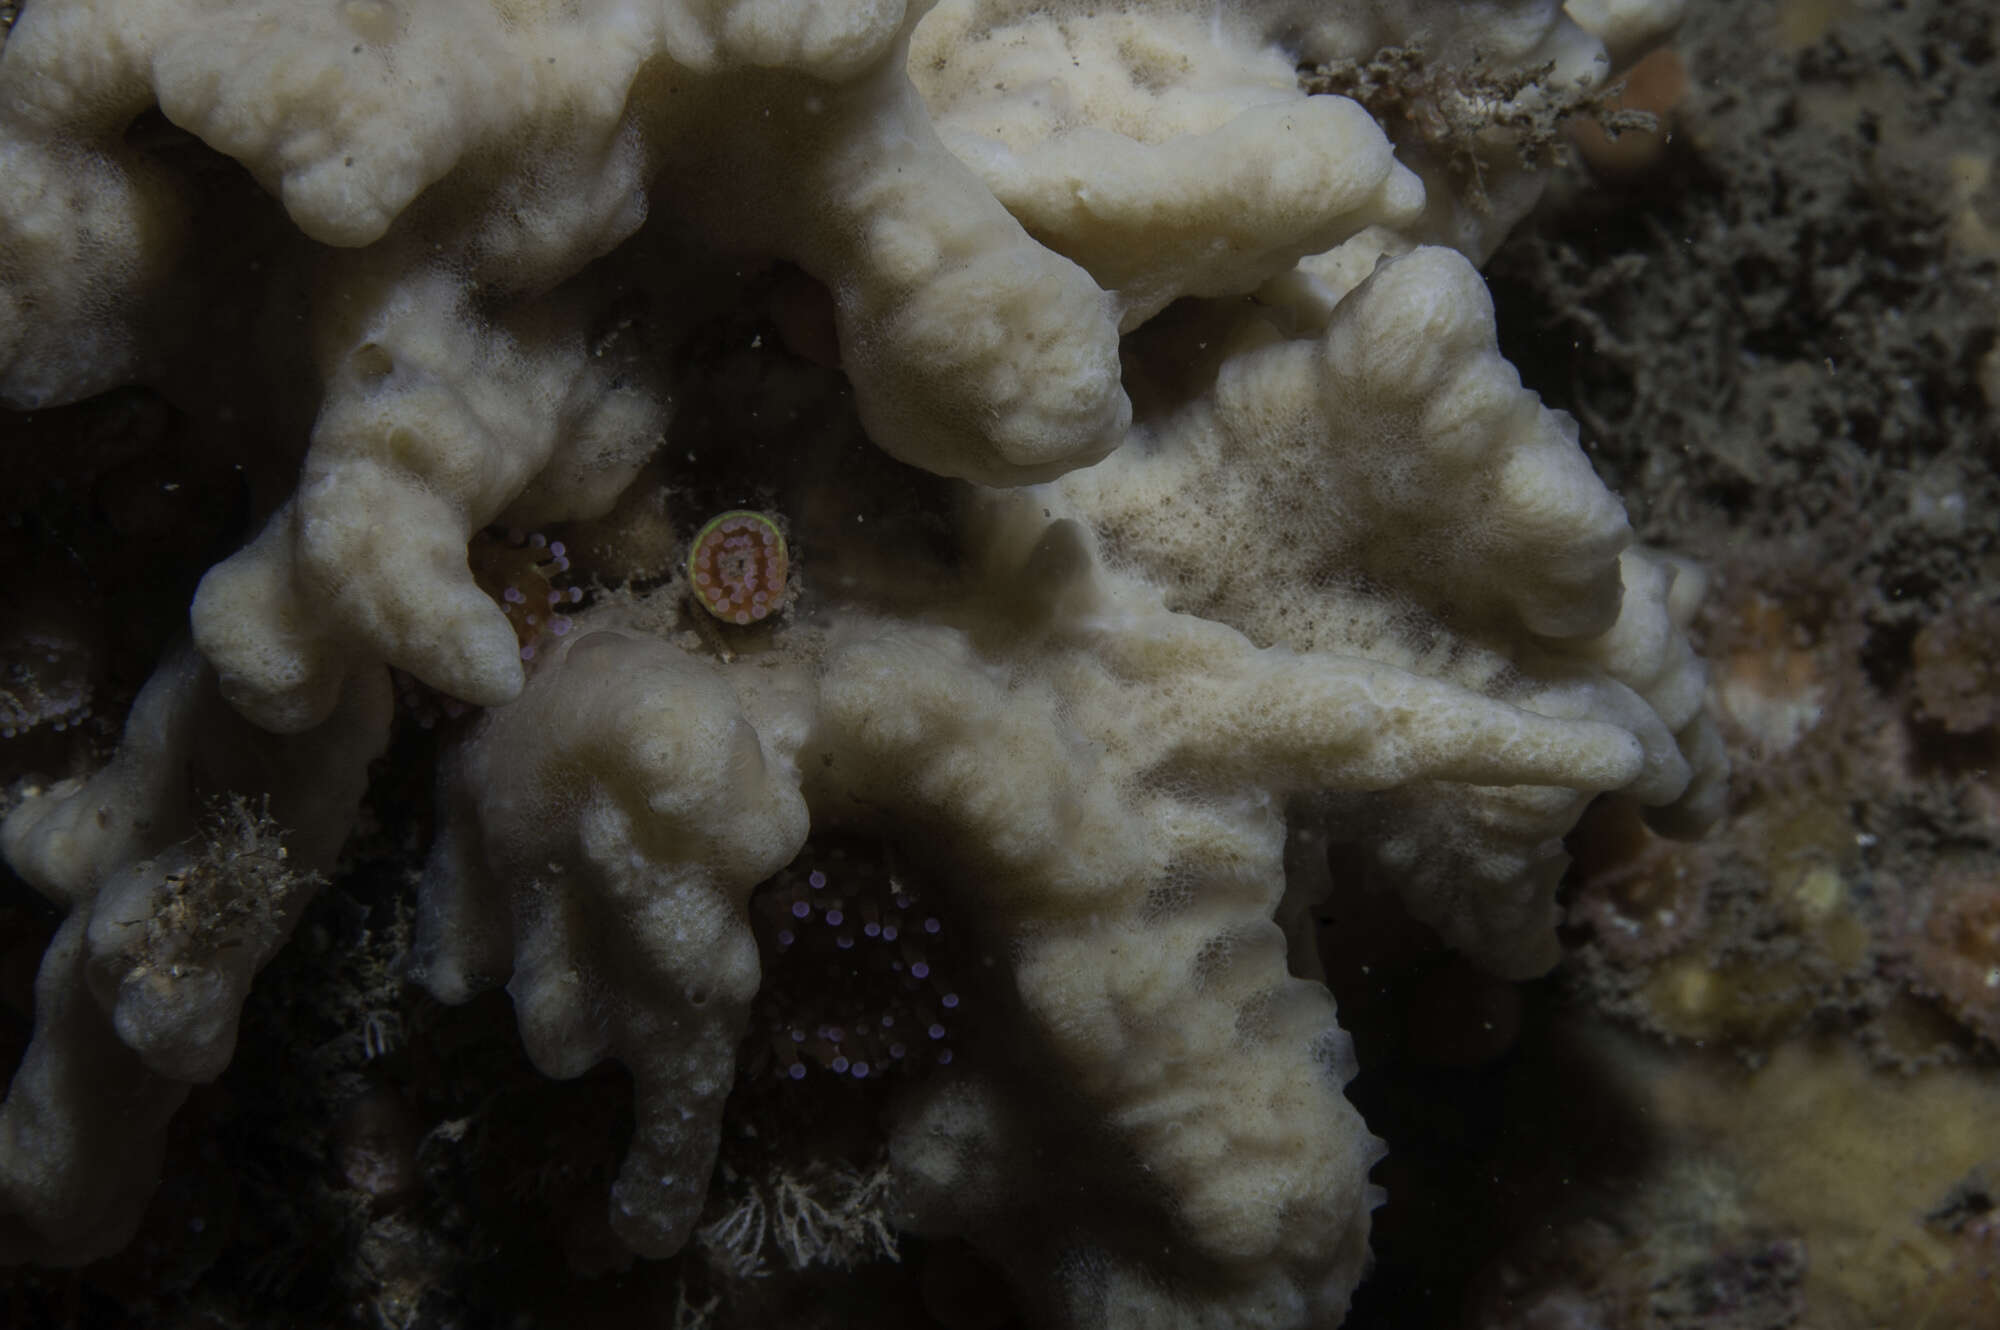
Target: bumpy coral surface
x,y
1207,524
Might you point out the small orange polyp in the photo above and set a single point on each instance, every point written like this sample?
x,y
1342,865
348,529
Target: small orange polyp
x,y
737,566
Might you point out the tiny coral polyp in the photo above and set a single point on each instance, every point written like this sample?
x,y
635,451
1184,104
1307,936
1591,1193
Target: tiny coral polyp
x,y
737,566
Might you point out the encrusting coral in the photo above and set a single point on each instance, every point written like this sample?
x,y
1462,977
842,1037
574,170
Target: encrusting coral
x,y
1251,542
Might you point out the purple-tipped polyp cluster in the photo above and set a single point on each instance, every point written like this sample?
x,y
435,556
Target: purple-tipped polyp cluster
x,y
519,569
859,974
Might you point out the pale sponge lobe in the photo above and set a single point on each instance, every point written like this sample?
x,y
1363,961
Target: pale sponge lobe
x,y
975,351
1185,1035
1430,415
1106,782
347,111
1168,150
432,428
602,834
89,229
1388,491
1628,28
470,159
1311,464
173,908
820,40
